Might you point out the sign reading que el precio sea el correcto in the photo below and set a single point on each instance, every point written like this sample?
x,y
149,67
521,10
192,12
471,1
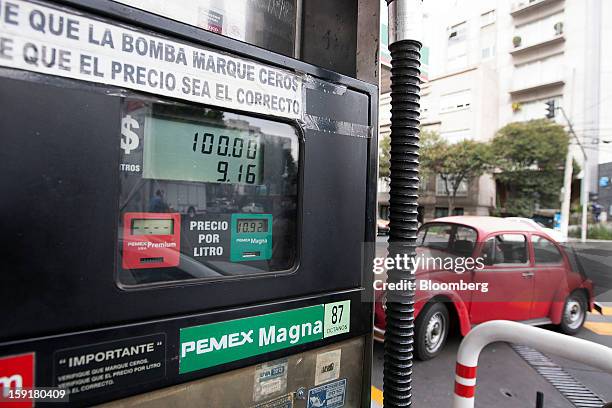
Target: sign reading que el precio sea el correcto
x,y
218,343
51,41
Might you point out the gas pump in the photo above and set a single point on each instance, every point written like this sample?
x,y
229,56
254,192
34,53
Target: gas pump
x,y
185,204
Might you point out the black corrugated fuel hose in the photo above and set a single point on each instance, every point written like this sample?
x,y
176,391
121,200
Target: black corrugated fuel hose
x,y
405,87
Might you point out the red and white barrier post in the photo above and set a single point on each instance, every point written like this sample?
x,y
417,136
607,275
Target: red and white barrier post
x,y
572,348
465,385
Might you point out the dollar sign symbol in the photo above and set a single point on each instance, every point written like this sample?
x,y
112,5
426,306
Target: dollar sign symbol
x,y
129,138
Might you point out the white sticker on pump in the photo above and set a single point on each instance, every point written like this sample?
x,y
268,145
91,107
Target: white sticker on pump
x,y
47,40
328,366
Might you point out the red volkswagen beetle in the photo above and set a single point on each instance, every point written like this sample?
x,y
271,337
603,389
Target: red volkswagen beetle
x,y
516,272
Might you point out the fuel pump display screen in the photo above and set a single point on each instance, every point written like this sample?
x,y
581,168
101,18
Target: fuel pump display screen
x,y
205,194
188,151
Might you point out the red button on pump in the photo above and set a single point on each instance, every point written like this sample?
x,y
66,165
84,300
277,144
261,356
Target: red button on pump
x,y
151,240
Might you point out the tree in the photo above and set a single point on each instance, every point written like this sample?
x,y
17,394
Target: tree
x,y
530,158
454,162
384,157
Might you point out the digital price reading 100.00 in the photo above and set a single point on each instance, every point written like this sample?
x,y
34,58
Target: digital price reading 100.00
x,y
236,149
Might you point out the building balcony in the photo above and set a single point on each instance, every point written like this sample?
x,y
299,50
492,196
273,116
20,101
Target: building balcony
x,y
549,42
538,75
536,87
524,7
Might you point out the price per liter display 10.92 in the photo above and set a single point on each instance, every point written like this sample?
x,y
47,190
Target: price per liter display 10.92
x,y
251,225
188,151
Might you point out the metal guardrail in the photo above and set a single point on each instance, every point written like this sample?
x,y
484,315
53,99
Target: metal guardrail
x,y
572,348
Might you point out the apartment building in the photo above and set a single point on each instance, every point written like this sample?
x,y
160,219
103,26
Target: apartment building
x,y
493,62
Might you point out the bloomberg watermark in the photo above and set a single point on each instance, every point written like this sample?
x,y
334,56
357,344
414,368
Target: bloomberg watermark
x,y
422,262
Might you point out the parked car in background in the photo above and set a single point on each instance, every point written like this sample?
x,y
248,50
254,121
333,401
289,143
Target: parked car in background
x,y
529,279
184,198
221,206
253,208
554,234
382,227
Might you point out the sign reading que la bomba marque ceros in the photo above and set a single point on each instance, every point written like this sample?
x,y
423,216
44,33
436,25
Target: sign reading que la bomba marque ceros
x,y
51,41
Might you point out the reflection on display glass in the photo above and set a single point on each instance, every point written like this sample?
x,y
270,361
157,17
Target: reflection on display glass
x,y
267,24
205,194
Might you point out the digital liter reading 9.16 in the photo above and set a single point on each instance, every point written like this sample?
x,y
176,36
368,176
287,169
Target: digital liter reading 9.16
x,y
188,151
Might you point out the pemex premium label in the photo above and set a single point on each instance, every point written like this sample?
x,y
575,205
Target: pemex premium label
x,y
217,343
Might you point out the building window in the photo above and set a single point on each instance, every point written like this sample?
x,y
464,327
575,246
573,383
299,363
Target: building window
x,y
487,18
422,183
457,33
488,52
488,39
455,101
462,190
440,212
456,53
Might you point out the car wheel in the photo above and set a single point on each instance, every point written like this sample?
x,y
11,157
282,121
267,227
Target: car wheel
x,y
431,331
574,313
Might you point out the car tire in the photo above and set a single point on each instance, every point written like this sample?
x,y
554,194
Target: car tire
x,y
573,314
431,331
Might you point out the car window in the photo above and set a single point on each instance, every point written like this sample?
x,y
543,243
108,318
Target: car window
x,y
454,239
505,249
436,237
464,242
545,251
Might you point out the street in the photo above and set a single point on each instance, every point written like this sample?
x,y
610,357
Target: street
x,y
505,379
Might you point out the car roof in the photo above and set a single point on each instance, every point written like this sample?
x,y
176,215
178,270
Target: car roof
x,y
486,224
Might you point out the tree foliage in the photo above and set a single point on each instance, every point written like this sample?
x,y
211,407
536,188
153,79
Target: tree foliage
x,y
384,157
530,159
454,162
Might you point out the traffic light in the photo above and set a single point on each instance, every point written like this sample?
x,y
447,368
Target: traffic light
x,y
550,109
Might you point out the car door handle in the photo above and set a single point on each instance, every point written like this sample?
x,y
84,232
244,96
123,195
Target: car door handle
x,y
527,274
